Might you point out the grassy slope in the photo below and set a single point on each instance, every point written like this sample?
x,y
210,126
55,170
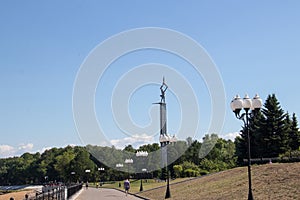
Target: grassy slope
x,y
271,181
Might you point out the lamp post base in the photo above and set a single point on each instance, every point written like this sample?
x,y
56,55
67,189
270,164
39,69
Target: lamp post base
x,y
250,196
168,194
141,186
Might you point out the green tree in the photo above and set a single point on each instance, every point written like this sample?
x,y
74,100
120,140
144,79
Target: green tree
x,y
258,138
221,157
190,169
80,163
268,132
149,147
274,127
294,134
62,164
177,170
129,148
208,144
257,135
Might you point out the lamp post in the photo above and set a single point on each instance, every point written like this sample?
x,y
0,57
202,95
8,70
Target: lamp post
x,y
87,171
141,154
128,161
99,170
119,165
73,175
237,104
46,177
144,170
168,192
165,141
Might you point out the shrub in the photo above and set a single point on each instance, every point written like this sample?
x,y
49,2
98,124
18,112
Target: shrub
x,y
191,173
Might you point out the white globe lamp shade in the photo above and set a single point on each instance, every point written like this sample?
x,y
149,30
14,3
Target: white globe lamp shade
x,y
236,103
247,102
256,102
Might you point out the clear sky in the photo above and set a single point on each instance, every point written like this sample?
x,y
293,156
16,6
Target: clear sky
x,y
255,46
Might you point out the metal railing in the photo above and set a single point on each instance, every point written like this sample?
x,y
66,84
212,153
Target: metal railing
x,y
73,189
55,193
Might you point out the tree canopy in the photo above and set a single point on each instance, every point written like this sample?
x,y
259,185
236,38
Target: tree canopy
x,y
272,131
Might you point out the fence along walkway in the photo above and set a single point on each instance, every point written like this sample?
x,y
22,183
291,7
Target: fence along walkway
x,y
56,193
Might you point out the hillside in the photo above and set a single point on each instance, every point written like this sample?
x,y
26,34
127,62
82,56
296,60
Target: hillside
x,y
270,181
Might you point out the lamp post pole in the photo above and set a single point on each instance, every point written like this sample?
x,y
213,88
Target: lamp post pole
x,y
73,175
237,104
250,195
87,171
128,161
99,170
141,154
141,186
119,165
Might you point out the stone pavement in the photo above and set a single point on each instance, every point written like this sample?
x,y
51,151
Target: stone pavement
x,y
103,194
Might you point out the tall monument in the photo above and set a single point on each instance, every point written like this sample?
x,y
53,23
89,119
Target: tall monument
x,y
164,138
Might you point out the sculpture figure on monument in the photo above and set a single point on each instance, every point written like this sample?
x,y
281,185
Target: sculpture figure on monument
x,y
163,89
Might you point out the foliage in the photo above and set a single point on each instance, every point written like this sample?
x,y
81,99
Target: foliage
x,y
55,164
177,170
220,156
272,132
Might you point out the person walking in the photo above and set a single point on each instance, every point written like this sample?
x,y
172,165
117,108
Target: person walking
x,y
126,186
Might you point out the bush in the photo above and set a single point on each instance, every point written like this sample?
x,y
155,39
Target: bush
x,y
190,173
290,154
213,165
203,172
177,170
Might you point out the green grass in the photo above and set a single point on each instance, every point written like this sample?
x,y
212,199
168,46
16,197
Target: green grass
x,y
271,181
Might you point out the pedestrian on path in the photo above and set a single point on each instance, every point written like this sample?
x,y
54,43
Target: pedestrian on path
x,y
126,186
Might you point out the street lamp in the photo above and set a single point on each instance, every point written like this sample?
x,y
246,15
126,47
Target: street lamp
x,y
119,165
165,140
87,171
100,169
143,170
46,177
141,154
73,175
128,161
237,104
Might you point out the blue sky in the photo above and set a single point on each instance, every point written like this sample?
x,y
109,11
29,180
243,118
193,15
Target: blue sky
x,y
255,46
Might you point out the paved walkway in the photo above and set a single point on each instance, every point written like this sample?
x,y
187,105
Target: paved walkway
x,y
103,194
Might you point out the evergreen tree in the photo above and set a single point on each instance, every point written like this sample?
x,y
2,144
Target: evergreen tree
x,y
257,139
274,128
257,135
272,132
288,130
294,136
